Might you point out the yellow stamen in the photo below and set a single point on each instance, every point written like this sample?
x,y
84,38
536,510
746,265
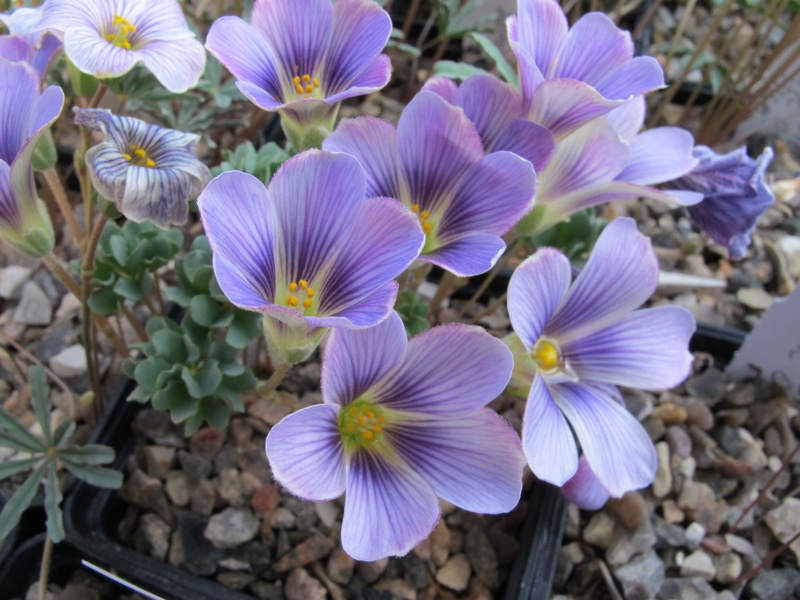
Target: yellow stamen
x,y
310,292
316,82
546,355
292,287
307,303
123,28
150,163
303,284
426,227
140,153
377,429
352,411
127,157
296,80
361,420
306,78
382,419
309,89
424,214
415,208
292,301
299,89
367,435
361,423
350,427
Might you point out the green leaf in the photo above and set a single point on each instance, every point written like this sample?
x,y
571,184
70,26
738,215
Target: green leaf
x,y
246,325
147,372
64,431
139,395
52,504
209,313
198,269
21,500
134,290
158,323
20,434
12,467
170,345
232,368
240,384
179,295
175,399
94,475
119,249
90,454
104,301
40,399
457,71
493,52
215,412
205,381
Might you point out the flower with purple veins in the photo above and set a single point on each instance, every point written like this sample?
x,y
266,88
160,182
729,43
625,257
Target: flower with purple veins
x,y
149,172
25,115
303,57
25,42
314,251
574,343
734,195
107,39
403,421
434,163
571,75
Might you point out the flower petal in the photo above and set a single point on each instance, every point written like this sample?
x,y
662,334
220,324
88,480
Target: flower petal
x,y
236,286
368,312
647,349
546,437
373,142
258,96
535,291
468,255
371,79
389,507
177,64
160,195
622,272
355,361
584,489
16,48
386,239
15,108
317,196
442,86
492,195
628,119
594,48
490,104
638,76
306,455
241,226
474,462
542,30
361,29
658,155
96,56
563,105
436,143
449,371
108,169
615,444
529,75
528,140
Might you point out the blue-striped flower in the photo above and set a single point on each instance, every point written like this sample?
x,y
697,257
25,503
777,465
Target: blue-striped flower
x,y
403,421
148,171
25,116
303,57
107,39
25,41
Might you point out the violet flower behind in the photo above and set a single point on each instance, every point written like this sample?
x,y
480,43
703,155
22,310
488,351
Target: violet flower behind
x,y
434,163
107,39
734,195
313,252
148,171
25,42
303,57
25,116
403,421
574,343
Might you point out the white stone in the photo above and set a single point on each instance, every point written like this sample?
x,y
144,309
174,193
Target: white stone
x,y
70,362
790,246
784,520
698,564
69,306
694,535
34,306
11,280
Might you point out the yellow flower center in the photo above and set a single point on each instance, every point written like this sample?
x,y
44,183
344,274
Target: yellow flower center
x,y
423,218
305,84
122,29
361,423
296,291
138,157
546,355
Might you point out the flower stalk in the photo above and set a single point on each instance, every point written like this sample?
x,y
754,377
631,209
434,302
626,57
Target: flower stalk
x,y
53,181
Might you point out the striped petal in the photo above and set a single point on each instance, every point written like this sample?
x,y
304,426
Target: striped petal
x,y
177,64
92,54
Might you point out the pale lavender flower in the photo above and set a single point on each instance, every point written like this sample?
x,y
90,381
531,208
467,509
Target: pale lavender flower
x,y
303,57
734,195
569,76
584,489
148,171
574,343
25,116
434,163
25,42
107,39
311,252
403,421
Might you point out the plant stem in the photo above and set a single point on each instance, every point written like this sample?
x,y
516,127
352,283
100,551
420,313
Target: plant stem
x,y
44,570
131,316
87,272
98,96
489,309
271,384
442,292
767,559
498,266
57,189
159,296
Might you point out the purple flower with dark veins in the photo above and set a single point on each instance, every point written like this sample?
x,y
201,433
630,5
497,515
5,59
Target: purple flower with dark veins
x,y
403,421
575,342
569,76
734,195
303,57
27,43
314,251
25,116
107,39
149,172
434,163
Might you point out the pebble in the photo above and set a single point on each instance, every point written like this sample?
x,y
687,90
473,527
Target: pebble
x,y
340,566
159,460
229,487
669,413
599,529
752,453
631,509
156,534
728,567
302,586
314,548
199,555
710,386
202,497
269,411
11,280
231,527
694,535
662,484
177,488
440,543
698,413
266,499
755,298
282,518
784,521
695,588
672,514
483,558
642,578
371,571
454,574
398,588
679,441
699,564
195,467
629,543
667,534
775,584
328,512
146,492
34,306
69,306
70,362
207,443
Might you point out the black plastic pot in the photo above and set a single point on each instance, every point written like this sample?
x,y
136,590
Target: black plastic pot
x,y
22,567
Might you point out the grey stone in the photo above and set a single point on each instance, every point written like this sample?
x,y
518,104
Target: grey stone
x,y
340,566
196,467
177,488
455,573
694,535
776,584
231,527
155,533
729,567
642,578
667,534
146,492
302,586
482,556
729,439
698,564
70,362
202,497
783,522
11,280
159,460
679,588
599,529
199,555
755,298
708,386
629,543
34,306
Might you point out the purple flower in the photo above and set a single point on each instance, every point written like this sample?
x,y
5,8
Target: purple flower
x,y
584,489
311,252
434,163
25,116
25,42
148,171
571,76
574,343
107,39
734,195
303,57
402,423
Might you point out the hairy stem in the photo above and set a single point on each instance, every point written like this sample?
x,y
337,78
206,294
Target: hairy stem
x,y
44,570
271,384
53,181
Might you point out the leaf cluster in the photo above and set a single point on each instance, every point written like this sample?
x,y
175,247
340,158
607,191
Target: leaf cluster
x,y
262,163
44,456
413,310
192,369
575,237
